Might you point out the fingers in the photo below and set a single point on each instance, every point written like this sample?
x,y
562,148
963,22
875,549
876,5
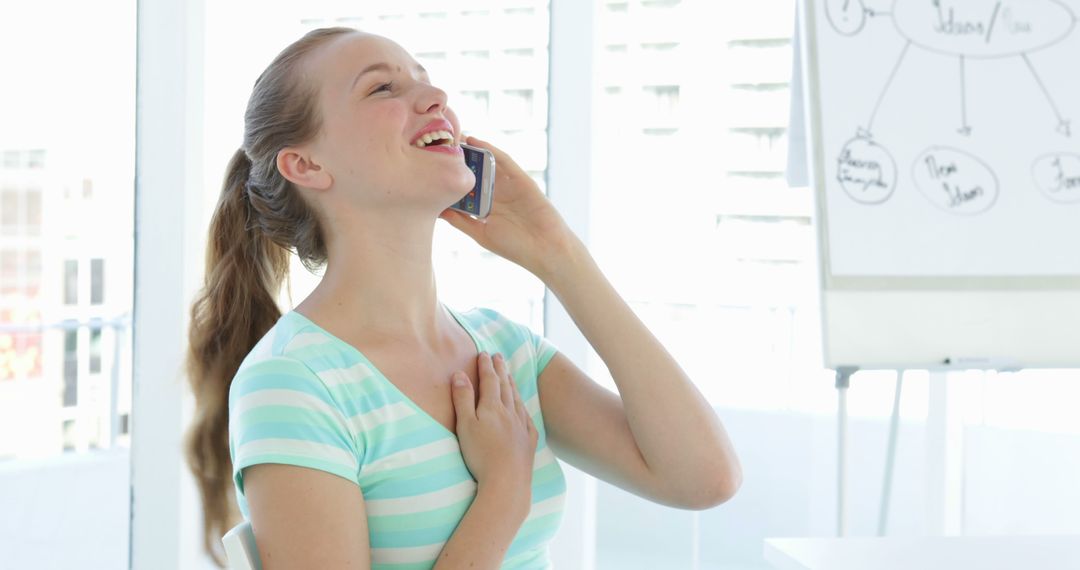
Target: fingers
x,y
462,222
505,385
462,392
490,389
497,386
522,412
486,145
500,156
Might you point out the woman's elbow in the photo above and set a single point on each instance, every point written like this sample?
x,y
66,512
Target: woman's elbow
x,y
715,490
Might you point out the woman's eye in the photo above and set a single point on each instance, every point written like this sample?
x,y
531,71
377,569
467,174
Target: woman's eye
x,y
386,86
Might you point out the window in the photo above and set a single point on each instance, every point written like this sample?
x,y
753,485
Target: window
x,y
95,349
33,211
33,272
663,4
663,102
9,266
71,365
431,56
659,46
519,53
69,435
476,54
519,103
71,282
97,281
9,212
473,106
35,159
67,179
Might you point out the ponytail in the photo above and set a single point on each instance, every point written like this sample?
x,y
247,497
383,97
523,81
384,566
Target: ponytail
x,y
259,221
235,308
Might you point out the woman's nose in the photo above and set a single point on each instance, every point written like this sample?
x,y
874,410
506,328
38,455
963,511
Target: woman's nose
x,y
431,99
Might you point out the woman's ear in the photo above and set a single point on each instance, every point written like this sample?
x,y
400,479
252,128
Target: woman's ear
x,y
297,166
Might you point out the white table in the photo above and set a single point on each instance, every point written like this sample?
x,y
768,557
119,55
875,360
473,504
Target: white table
x,y
926,553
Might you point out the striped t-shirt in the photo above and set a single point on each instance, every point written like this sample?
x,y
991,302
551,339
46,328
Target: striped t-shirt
x,y
304,397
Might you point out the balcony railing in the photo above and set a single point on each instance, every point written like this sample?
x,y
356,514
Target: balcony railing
x,y
99,418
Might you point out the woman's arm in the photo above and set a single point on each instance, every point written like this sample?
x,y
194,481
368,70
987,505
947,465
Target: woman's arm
x,y
305,518
662,439
484,535
683,456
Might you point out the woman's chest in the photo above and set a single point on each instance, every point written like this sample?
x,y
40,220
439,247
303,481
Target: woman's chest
x,y
425,382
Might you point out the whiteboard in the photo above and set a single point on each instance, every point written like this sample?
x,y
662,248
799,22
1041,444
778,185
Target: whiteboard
x,y
946,169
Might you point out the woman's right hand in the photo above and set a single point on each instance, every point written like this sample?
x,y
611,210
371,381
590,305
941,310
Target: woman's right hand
x,y
496,435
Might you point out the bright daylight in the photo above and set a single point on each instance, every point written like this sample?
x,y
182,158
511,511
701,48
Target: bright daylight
x,y
540,285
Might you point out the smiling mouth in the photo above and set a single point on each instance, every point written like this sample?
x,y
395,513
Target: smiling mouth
x,y
435,138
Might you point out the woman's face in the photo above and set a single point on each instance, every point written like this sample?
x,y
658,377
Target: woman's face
x,y
375,101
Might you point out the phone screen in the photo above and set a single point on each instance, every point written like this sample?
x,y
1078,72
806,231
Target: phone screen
x,y
471,202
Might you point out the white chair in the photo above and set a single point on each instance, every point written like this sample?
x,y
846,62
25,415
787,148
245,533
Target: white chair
x,y
240,549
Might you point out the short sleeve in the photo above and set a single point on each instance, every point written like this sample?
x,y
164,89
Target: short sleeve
x,y
282,412
542,348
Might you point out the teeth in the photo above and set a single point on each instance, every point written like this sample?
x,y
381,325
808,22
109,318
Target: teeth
x,y
433,136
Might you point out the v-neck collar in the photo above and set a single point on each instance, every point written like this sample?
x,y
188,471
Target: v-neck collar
x,y
463,323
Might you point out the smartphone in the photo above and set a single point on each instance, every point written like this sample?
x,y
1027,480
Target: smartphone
x,y
477,202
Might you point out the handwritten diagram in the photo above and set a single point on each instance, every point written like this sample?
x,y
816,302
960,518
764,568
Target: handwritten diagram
x,y
954,179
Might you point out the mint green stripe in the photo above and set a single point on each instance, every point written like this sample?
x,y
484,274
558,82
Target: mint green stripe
x,y
451,514
286,414
534,533
400,427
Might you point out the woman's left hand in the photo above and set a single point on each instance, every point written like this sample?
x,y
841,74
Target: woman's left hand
x,y
523,225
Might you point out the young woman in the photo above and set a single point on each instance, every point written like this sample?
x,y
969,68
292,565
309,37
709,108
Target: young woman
x,y
372,426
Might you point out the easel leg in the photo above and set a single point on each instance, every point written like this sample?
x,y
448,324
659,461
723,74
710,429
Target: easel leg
x,y
843,381
890,456
944,458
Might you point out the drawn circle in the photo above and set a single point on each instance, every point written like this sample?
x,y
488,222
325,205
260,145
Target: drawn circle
x,y
1057,175
955,181
983,28
866,171
847,17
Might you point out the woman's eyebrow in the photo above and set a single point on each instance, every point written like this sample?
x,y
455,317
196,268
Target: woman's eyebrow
x,y
381,67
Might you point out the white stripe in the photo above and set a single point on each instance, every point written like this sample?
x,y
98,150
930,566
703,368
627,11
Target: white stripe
x,y
281,397
386,414
305,339
543,458
547,506
490,328
296,447
258,353
413,456
422,503
533,405
520,357
426,553
337,376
